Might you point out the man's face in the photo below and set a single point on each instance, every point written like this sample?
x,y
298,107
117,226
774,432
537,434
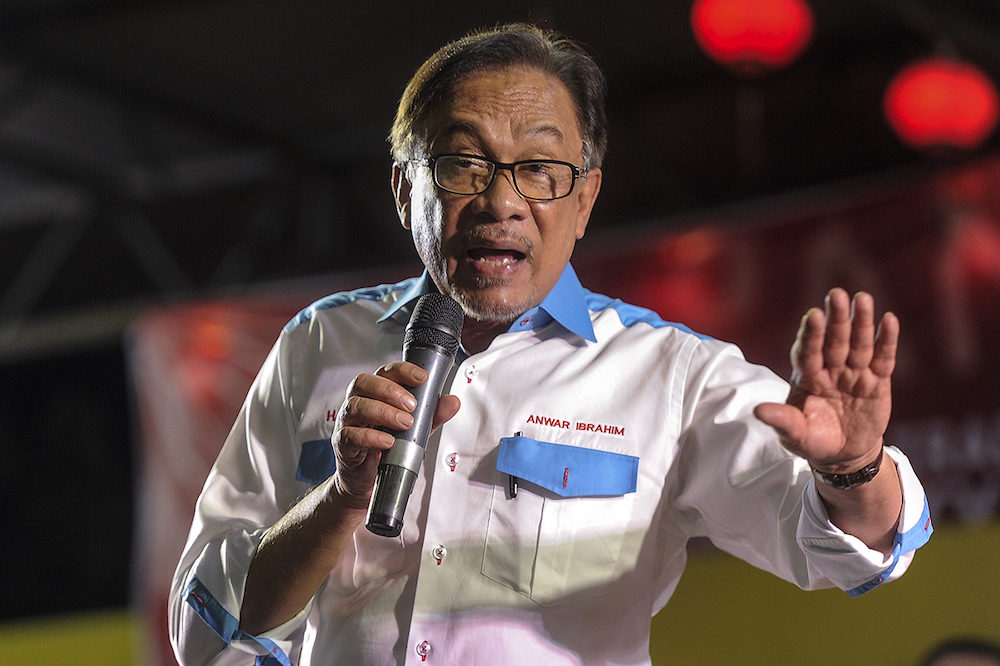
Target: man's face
x,y
497,253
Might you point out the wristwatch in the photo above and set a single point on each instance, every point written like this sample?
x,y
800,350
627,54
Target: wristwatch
x,y
854,479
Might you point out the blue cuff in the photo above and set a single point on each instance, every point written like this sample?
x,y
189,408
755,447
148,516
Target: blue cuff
x,y
908,541
568,471
227,627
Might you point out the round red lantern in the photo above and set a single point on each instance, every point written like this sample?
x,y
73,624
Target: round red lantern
x,y
942,102
752,35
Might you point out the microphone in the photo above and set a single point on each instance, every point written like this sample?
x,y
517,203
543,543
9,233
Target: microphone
x,y
431,341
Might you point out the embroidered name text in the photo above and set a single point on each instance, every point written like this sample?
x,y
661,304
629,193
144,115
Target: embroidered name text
x,y
545,420
579,425
600,427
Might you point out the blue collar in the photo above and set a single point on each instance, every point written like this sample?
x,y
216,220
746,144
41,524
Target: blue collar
x,y
566,303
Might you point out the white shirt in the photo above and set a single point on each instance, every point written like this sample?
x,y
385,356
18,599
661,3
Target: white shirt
x,y
626,435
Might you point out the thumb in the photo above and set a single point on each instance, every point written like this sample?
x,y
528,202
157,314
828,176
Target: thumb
x,y
789,421
447,407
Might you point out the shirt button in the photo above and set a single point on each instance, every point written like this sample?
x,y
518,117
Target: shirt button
x,y
439,553
423,649
452,460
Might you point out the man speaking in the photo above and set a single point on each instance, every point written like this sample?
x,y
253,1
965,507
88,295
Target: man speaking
x,y
581,442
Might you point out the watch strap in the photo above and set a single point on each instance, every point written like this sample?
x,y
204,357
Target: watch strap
x,y
854,479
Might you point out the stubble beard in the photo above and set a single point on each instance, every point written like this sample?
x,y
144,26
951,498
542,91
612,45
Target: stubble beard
x,y
480,300
477,303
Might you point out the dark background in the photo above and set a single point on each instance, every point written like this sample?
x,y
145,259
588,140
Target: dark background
x,y
160,151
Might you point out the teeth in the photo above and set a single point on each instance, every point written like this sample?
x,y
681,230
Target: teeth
x,y
502,261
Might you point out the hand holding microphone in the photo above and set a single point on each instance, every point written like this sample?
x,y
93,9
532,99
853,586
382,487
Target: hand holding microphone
x,y
378,407
431,342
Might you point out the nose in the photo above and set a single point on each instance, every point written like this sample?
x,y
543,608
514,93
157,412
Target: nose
x,y
501,200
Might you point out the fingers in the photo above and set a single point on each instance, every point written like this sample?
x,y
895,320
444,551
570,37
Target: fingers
x,y
403,372
807,352
862,331
375,403
845,336
870,347
786,419
447,407
886,341
380,400
837,345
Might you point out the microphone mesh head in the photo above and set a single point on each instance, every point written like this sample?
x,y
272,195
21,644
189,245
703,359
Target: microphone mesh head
x,y
436,320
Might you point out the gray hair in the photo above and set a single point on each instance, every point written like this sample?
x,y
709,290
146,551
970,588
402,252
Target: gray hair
x,y
512,45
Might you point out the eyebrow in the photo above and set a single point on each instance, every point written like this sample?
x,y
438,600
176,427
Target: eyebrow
x,y
550,130
460,127
471,129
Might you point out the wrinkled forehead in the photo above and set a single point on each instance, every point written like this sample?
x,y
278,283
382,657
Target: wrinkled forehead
x,y
516,103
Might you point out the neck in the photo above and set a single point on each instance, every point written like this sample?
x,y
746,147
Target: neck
x,y
477,335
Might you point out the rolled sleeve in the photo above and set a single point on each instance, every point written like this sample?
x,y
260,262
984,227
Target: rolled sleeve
x,y
271,647
844,559
239,502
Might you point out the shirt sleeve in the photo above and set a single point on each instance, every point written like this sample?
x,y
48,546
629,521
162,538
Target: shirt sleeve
x,y
755,500
239,501
833,551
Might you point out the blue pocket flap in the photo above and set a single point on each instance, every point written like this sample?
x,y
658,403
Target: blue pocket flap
x,y
569,471
317,462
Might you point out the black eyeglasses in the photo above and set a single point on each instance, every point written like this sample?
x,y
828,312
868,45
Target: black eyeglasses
x,y
538,180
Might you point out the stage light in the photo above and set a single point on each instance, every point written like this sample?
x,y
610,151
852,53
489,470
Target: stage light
x,y
752,36
941,102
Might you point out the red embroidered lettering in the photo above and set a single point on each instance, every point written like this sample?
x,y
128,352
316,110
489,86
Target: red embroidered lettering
x,y
331,416
598,427
565,477
549,421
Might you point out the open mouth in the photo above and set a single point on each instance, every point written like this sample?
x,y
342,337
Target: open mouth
x,y
495,257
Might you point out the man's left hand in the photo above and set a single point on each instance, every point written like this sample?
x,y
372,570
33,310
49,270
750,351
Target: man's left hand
x,y
840,399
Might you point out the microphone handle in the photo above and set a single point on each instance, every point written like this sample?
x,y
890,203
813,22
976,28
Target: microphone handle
x,y
398,467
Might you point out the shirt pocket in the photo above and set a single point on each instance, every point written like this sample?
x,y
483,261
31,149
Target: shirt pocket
x,y
559,539
367,557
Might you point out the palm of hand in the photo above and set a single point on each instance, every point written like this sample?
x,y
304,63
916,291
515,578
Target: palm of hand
x,y
840,399
843,417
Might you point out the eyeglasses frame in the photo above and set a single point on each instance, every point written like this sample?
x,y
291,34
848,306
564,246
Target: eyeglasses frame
x,y
431,162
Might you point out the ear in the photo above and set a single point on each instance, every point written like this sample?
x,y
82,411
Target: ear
x,y
401,192
590,187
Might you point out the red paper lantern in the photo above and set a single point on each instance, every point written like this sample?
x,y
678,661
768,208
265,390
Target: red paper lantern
x,y
942,102
752,35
